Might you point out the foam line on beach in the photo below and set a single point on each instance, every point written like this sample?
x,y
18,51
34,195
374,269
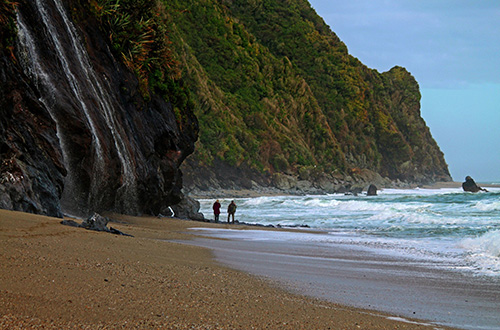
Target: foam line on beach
x,y
402,319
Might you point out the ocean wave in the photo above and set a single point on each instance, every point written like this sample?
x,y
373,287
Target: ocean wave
x,y
488,243
260,201
362,205
487,206
484,252
420,192
421,216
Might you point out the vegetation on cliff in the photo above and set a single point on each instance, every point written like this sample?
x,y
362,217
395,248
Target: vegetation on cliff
x,y
138,31
274,89
7,25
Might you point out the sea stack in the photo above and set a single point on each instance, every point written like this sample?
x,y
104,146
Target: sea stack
x,y
470,185
372,190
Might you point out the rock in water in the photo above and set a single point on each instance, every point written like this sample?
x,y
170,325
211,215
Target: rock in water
x,y
471,186
372,190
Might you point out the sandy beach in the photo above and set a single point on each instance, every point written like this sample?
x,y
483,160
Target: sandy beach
x,y
60,277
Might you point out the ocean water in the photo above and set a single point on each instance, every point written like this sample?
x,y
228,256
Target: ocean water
x,y
440,228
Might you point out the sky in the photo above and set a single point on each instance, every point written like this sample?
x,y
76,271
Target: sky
x,y
452,48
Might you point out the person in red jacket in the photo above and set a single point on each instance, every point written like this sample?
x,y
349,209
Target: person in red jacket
x,y
216,208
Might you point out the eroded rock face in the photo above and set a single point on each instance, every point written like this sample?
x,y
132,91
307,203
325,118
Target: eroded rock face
x,y
31,168
75,128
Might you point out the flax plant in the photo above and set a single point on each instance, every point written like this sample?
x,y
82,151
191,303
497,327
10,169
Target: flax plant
x,y
7,9
136,30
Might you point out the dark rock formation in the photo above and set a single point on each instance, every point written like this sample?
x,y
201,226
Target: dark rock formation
x,y
471,186
31,168
96,222
220,176
372,190
69,108
356,190
188,208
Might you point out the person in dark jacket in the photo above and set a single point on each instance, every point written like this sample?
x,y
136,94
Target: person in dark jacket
x,y
216,208
231,210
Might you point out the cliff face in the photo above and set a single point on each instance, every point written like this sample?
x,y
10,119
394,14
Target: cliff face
x,y
31,169
77,134
277,92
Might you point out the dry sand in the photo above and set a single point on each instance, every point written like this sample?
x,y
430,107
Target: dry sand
x,y
59,277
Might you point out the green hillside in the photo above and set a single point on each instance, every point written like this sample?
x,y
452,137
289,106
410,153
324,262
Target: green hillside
x,y
274,89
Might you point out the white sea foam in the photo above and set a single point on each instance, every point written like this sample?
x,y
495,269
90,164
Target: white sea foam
x,y
487,244
420,192
322,203
487,206
256,201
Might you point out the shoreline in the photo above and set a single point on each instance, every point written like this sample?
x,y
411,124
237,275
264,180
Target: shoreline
x,y
265,192
62,277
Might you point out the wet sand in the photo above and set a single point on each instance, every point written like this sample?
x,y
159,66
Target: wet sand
x,y
59,277
361,279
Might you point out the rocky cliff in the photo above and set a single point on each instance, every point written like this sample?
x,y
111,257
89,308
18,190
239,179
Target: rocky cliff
x,y
78,135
